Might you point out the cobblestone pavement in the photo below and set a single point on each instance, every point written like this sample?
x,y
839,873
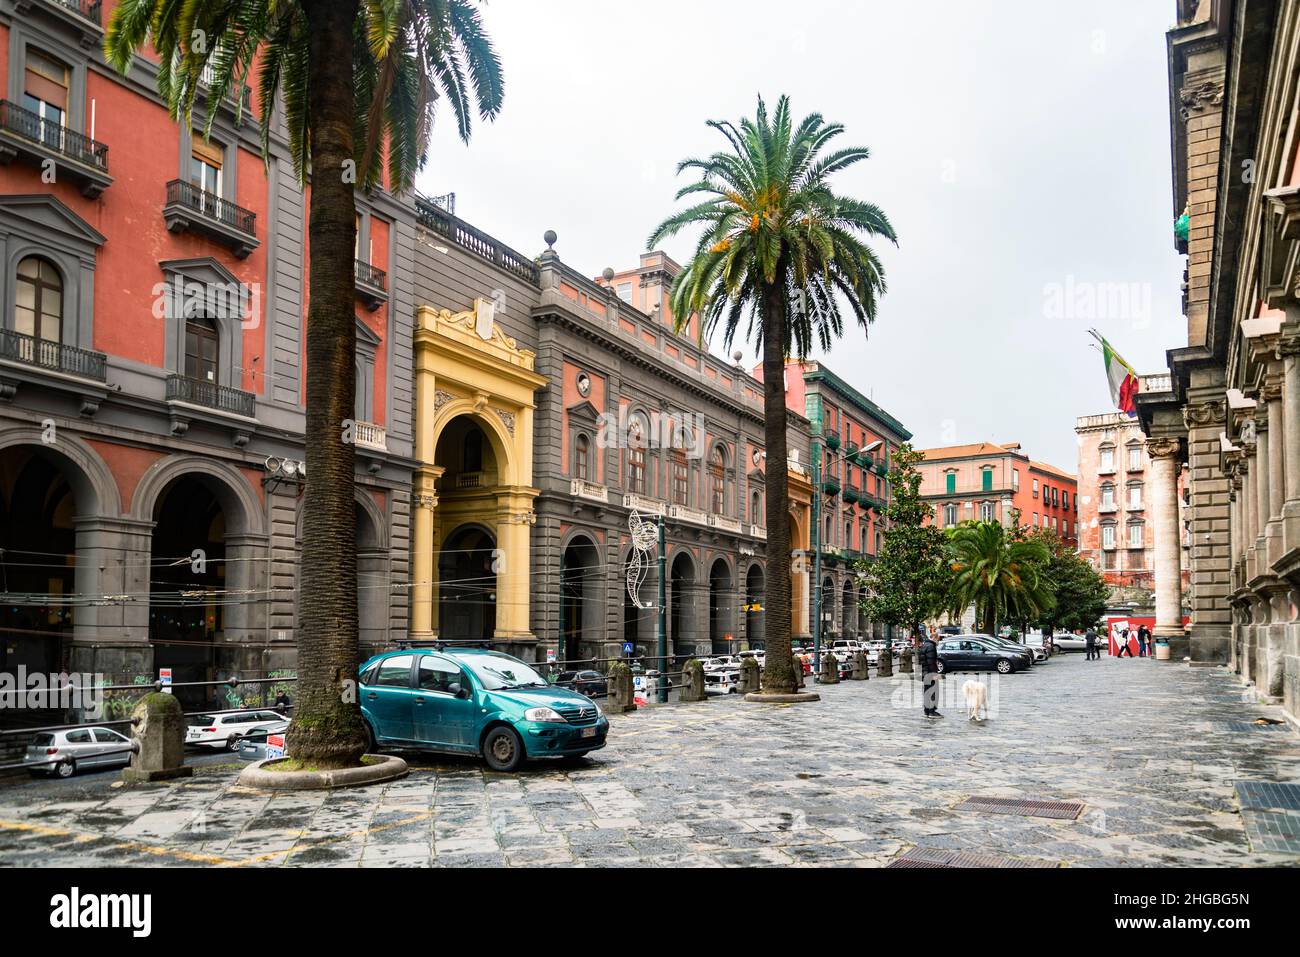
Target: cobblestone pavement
x,y
1153,752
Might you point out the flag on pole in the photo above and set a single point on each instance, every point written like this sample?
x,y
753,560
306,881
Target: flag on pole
x,y
1124,381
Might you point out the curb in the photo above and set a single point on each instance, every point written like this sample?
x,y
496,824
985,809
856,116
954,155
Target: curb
x,y
799,696
389,768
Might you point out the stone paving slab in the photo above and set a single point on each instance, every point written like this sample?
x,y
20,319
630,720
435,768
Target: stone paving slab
x,y
1155,753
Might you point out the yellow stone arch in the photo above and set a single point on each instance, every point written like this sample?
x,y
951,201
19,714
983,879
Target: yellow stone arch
x,y
465,367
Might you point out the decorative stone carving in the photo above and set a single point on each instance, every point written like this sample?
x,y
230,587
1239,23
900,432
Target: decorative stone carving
x,y
1199,98
1162,448
1203,414
507,419
441,398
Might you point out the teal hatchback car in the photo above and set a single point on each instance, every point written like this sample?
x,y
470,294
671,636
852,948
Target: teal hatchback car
x,y
475,701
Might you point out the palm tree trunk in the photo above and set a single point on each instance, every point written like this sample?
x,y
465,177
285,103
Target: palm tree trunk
x,y
778,669
328,729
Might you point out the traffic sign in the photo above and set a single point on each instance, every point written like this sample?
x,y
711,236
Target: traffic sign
x,y
627,647
165,679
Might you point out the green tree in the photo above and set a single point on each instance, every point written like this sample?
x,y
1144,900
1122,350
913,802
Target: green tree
x,y
1002,575
358,82
780,251
908,582
1080,593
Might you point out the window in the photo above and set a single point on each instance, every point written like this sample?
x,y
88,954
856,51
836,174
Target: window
x,y
950,480
950,515
1035,488
624,290
395,672
1135,497
1035,520
38,308
848,534
1135,535
1108,561
986,479
1053,523
1135,458
826,537
1107,459
1056,496
202,353
717,473
438,675
877,543
986,511
679,476
756,507
636,457
45,93
205,166
1065,499
1108,536
582,457
1108,496
863,536
1015,480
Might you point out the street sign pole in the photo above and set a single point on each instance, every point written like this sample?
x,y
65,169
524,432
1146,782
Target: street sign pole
x,y
663,618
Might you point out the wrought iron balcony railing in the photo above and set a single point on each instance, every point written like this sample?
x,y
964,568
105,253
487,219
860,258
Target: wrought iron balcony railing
x,y
211,206
220,397
53,137
55,356
90,9
371,276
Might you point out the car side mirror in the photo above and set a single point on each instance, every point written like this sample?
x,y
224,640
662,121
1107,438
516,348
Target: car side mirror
x,y
459,690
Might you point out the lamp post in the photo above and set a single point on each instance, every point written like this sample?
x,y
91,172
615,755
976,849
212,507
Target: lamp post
x,y
663,618
814,540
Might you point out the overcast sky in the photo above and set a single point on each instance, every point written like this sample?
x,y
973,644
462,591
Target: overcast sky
x,y
1020,148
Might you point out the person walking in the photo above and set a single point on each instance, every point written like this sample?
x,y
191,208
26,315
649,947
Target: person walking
x,y
1090,645
928,659
1123,644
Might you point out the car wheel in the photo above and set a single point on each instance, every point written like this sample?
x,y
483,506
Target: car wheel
x,y
941,667
232,743
66,769
1004,666
503,750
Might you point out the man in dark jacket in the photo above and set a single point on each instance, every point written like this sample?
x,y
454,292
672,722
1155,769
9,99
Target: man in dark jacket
x,y
1090,645
928,661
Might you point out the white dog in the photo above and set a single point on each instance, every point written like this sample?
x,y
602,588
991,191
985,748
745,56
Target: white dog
x,y
977,699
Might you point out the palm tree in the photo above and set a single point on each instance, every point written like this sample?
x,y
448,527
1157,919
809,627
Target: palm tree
x,y
359,82
1003,576
781,249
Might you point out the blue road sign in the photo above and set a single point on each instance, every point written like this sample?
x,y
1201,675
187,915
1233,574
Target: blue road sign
x,y
627,647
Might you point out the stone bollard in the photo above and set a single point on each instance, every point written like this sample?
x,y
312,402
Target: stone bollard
x,y
692,682
885,663
749,676
905,660
621,698
159,736
830,670
861,672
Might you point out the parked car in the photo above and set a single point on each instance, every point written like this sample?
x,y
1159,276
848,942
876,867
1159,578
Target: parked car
x,y
63,753
720,662
224,730
1036,654
847,647
722,681
256,745
979,653
591,683
475,701
1067,641
758,655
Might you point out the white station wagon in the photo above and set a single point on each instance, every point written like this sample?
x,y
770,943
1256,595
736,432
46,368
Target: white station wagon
x,y
226,730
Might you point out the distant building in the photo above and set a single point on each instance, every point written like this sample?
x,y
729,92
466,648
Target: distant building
x,y
1116,533
983,481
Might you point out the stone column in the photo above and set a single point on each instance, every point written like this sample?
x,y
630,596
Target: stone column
x,y
423,567
1209,557
1277,491
1261,492
514,528
1168,567
1289,350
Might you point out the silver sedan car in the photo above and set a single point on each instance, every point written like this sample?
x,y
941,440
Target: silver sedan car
x,y
63,753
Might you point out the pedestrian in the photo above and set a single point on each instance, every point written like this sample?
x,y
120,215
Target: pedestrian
x,y
1090,645
282,701
1123,644
928,655
1144,640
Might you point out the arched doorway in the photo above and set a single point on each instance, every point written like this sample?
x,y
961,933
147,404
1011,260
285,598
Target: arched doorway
x,y
681,616
722,609
755,599
37,562
582,609
467,578
189,593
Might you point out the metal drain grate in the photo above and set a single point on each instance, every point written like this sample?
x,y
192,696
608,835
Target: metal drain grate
x,y
1249,726
1268,796
926,857
1062,810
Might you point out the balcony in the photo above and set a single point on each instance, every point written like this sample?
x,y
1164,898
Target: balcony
x,y
26,136
684,513
758,531
831,438
372,285
83,16
831,487
850,449
54,356
646,506
210,395
851,495
733,525
871,501
242,108
371,436
580,488
190,209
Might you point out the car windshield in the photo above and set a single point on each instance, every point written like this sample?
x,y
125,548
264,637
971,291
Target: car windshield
x,y
498,672
202,719
44,739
